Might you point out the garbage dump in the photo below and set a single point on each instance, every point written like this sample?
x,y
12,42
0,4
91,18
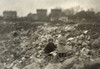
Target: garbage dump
x,y
25,48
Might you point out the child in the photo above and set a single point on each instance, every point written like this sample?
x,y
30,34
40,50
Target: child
x,y
50,47
61,45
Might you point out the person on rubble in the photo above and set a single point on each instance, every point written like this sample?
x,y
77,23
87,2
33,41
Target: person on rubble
x,y
61,50
50,47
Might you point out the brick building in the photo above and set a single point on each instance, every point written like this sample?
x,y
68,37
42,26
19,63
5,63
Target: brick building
x,y
9,15
55,14
42,14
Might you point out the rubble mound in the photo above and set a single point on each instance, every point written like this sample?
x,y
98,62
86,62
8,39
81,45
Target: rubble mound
x,y
25,48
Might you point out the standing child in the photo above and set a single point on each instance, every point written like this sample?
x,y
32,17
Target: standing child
x,y
61,45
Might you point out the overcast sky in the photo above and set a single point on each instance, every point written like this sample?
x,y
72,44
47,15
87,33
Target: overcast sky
x,y
23,7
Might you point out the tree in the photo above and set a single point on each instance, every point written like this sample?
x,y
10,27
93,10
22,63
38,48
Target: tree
x,y
98,16
88,15
80,15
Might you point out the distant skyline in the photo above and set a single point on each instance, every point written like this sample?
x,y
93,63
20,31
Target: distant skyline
x,y
23,7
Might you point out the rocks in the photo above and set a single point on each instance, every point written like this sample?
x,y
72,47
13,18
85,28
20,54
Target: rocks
x,y
34,65
69,62
96,42
53,66
29,49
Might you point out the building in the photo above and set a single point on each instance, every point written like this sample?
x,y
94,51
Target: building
x,y
55,14
9,15
32,16
42,14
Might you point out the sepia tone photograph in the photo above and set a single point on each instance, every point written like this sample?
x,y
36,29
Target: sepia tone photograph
x,y
49,34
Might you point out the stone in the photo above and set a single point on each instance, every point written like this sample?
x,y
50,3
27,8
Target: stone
x,y
54,66
34,65
68,62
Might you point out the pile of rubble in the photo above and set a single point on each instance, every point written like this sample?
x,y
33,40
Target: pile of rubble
x,y
25,47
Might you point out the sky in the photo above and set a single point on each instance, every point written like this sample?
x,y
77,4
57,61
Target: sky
x,y
23,7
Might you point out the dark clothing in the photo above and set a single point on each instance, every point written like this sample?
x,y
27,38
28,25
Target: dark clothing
x,y
49,48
